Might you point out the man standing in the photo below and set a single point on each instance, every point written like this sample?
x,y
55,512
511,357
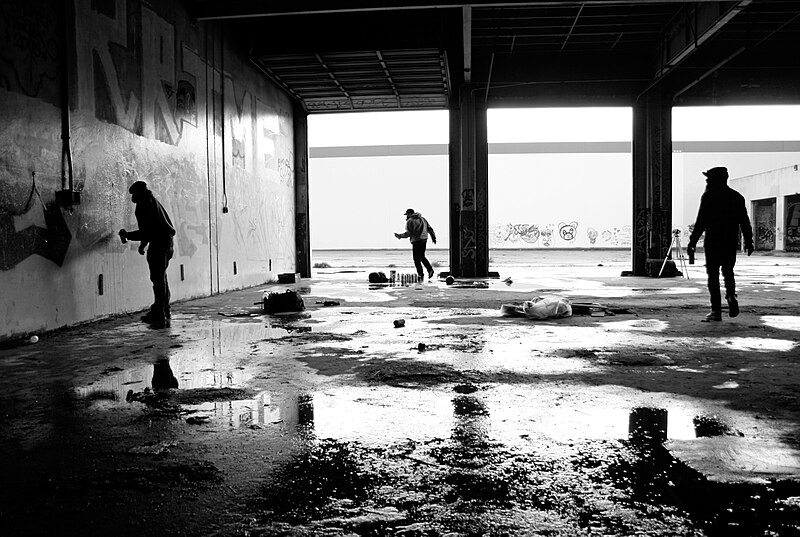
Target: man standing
x,y
721,215
417,230
156,231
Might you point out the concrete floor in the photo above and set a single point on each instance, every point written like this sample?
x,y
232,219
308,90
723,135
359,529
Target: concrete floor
x,y
463,422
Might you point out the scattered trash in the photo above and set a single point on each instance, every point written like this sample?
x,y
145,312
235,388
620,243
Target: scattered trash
x,y
541,307
378,277
289,277
480,284
508,281
289,300
465,388
705,426
34,339
328,302
590,308
421,347
399,323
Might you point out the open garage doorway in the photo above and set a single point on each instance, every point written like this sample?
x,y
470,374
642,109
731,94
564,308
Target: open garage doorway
x,y
365,170
560,186
760,146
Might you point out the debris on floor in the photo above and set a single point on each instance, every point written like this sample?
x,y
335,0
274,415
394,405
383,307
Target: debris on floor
x,y
712,426
378,277
289,300
541,307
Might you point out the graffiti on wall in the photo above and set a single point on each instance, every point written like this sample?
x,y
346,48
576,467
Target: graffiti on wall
x,y
30,50
562,234
567,232
134,72
793,224
39,229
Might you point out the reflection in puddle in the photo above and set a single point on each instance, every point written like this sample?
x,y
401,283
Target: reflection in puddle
x,y
757,344
782,322
638,325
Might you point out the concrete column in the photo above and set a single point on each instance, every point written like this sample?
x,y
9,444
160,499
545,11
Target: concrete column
x,y
302,231
652,182
469,185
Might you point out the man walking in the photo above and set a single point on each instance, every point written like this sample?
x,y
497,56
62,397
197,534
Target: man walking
x,y
155,234
721,215
417,230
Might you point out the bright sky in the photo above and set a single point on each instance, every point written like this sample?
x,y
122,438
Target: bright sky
x,y
714,123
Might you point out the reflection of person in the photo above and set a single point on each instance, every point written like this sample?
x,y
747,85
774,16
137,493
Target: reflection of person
x,y
155,234
163,377
417,230
721,215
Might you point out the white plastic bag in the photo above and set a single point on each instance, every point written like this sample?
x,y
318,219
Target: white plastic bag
x,y
547,307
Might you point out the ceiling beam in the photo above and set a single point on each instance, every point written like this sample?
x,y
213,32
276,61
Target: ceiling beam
x,y
235,9
690,29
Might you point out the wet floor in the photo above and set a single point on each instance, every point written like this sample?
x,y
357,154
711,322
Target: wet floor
x,y
332,421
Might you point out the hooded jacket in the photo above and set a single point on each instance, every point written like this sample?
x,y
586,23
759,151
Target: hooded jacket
x,y
155,226
418,229
721,214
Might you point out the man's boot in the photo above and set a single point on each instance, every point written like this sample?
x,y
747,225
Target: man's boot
x,y
733,306
713,316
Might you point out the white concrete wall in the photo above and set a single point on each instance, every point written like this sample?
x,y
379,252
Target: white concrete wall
x,y
147,104
776,184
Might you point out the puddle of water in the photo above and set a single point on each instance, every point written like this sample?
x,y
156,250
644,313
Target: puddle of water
x,y
353,293
637,325
262,411
209,357
727,385
757,344
782,322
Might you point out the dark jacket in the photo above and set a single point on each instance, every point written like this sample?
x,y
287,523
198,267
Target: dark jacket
x,y
155,226
721,214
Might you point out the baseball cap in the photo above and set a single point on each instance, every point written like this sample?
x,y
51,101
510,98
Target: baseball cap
x,y
409,211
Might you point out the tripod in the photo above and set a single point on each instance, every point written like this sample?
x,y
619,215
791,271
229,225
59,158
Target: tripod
x,y
676,243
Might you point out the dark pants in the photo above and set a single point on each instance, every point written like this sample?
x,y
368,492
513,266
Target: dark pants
x,y
716,260
418,250
158,256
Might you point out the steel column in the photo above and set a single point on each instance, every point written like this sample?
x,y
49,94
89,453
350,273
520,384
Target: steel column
x,y
469,185
652,181
302,231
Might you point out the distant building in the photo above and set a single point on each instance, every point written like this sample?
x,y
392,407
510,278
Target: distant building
x,y
773,201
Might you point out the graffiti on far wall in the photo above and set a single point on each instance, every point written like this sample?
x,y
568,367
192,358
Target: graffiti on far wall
x,y
568,231
561,234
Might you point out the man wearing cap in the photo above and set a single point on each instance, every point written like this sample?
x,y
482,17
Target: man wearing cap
x,y
721,215
155,234
417,230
